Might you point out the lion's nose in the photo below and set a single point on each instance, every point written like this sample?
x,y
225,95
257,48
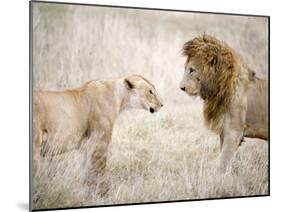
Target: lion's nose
x,y
183,88
151,110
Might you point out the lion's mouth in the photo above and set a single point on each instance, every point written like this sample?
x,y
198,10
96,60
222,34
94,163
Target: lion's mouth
x,y
192,93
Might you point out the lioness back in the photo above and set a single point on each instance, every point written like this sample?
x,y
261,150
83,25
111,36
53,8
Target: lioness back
x,y
60,114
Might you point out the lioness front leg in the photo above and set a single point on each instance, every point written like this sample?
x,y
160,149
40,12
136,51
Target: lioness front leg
x,y
231,141
97,177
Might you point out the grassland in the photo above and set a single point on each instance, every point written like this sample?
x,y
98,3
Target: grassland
x,y
165,156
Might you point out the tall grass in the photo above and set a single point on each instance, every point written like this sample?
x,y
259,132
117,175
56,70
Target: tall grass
x,y
166,156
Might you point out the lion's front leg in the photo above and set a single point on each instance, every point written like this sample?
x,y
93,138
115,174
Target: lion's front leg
x,y
232,134
230,142
221,140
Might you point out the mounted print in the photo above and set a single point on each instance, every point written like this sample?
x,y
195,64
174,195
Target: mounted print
x,y
139,105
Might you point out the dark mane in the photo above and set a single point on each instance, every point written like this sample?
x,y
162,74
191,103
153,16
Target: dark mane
x,y
220,74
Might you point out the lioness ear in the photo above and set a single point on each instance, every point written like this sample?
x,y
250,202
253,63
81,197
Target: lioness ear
x,y
129,84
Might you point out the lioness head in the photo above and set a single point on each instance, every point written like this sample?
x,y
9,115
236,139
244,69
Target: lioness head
x,y
141,94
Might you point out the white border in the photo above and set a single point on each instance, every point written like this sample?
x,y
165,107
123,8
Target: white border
x,y
14,103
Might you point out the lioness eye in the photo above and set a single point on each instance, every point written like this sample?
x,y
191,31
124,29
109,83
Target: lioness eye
x,y
191,70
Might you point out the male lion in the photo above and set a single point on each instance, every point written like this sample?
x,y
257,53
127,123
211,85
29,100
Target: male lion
x,y
62,119
235,100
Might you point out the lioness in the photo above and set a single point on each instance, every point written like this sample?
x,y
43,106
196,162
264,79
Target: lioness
x,y
63,118
235,100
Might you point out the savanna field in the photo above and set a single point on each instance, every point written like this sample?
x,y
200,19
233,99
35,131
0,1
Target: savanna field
x,y
165,156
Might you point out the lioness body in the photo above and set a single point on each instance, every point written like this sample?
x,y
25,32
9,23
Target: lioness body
x,y
62,119
49,107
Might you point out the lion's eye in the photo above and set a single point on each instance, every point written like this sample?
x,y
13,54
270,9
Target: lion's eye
x,y
150,91
191,70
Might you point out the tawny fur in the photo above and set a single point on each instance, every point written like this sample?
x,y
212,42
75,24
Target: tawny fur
x,y
62,119
235,100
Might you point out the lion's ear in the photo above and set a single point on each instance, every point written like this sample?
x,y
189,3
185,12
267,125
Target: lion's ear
x,y
128,84
215,58
214,61
251,75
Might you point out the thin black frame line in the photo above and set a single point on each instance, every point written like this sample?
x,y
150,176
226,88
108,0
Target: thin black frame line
x,y
147,8
268,104
30,105
152,203
141,8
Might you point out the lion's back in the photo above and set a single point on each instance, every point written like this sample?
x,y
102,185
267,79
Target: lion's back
x,y
257,111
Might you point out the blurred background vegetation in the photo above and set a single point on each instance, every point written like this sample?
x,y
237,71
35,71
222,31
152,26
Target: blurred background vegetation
x,y
167,156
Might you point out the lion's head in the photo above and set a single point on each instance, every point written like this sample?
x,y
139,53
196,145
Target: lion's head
x,y
141,94
211,72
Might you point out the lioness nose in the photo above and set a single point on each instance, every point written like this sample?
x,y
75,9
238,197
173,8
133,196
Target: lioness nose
x,y
183,88
161,105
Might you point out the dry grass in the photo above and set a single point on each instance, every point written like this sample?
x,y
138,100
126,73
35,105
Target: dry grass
x,y
166,156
